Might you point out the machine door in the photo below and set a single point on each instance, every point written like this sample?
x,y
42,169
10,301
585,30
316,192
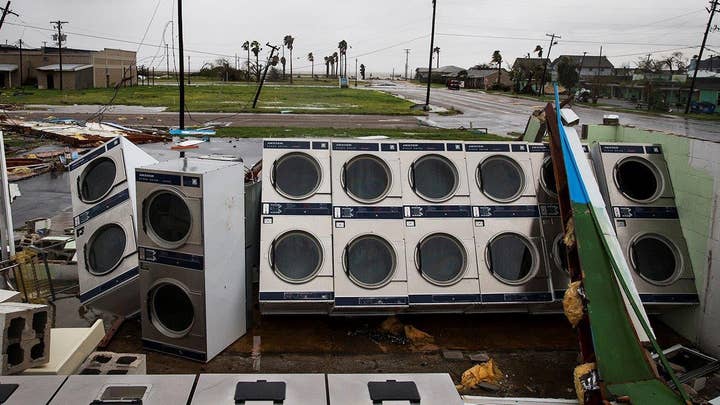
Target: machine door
x,y
105,242
656,259
297,175
434,178
296,256
639,179
367,178
101,176
501,178
512,258
441,259
369,261
173,309
172,220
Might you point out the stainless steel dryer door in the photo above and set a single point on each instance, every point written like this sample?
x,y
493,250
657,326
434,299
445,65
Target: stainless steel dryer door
x,y
172,221
100,177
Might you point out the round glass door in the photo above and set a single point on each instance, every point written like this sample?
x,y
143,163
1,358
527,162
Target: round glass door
x,y
435,178
655,258
369,261
560,253
296,175
501,178
367,178
168,219
441,259
171,310
105,249
296,256
547,178
97,180
510,258
638,180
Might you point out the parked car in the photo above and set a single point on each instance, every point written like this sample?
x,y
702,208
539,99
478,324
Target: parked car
x,y
453,84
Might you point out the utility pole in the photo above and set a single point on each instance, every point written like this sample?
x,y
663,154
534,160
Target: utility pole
x,y
356,72
582,62
20,43
188,73
432,46
712,10
58,24
407,56
181,54
273,49
547,58
167,60
5,12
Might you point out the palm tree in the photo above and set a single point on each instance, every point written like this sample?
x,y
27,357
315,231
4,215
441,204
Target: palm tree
x,y
255,48
343,47
246,47
283,61
335,63
497,58
288,42
327,66
311,59
436,51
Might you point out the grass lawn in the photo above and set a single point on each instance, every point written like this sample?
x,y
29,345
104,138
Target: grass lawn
x,y
417,133
227,98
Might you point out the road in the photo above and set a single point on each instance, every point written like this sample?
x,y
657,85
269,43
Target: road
x,y
502,114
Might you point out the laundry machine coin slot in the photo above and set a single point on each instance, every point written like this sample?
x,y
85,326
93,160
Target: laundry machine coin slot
x,y
441,259
296,175
261,390
296,257
511,258
171,309
392,390
369,261
655,259
501,178
434,178
97,180
119,394
105,249
638,180
167,219
366,178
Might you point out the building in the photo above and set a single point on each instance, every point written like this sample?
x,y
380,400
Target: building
x,y
711,64
484,79
589,65
40,66
442,74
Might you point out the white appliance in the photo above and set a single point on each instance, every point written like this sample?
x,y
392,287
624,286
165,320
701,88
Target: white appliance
x,y
26,390
635,182
506,219
131,389
434,173
102,185
368,240
286,389
372,389
296,266
191,249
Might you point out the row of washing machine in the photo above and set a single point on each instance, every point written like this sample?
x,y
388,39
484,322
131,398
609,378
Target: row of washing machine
x,y
369,226
287,389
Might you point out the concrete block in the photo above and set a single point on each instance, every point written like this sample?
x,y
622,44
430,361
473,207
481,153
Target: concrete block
x,y
22,355
109,363
453,354
38,319
479,357
70,347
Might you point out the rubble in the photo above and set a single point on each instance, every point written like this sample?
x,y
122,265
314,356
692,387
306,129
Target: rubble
x,y
480,373
25,336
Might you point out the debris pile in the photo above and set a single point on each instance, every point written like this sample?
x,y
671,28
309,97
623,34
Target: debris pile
x,y
487,372
391,330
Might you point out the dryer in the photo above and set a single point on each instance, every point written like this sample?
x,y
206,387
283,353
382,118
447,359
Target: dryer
x,y
507,227
296,266
288,389
434,173
636,185
368,239
192,278
132,389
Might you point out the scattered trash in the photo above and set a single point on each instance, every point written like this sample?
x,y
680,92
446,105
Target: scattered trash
x,y
189,144
573,305
421,341
391,330
586,380
453,354
486,372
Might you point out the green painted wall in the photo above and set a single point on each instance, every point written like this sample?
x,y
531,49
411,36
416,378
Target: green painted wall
x,y
709,96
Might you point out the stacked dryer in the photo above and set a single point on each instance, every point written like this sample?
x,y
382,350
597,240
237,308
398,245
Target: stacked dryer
x,y
368,240
102,185
296,266
506,219
191,248
635,181
440,250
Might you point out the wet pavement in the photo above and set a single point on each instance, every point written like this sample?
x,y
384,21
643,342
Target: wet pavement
x,y
502,114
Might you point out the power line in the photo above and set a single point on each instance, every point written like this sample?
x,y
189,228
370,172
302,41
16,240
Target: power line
x,y
576,41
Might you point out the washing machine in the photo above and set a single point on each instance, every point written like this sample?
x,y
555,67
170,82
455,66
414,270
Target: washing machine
x,y
371,389
636,185
191,251
125,389
368,237
105,171
107,256
296,266
507,227
24,390
286,389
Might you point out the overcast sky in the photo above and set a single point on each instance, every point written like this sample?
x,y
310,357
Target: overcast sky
x,y
468,31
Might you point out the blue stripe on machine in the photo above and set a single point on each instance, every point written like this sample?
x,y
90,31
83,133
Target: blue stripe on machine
x,y
653,150
297,296
356,146
549,210
487,147
421,146
320,145
542,148
670,298
191,181
158,178
622,149
370,301
388,147
296,209
443,298
559,294
147,255
286,144
109,285
516,297
437,211
368,212
506,211
646,212
163,348
519,147
88,157
102,207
